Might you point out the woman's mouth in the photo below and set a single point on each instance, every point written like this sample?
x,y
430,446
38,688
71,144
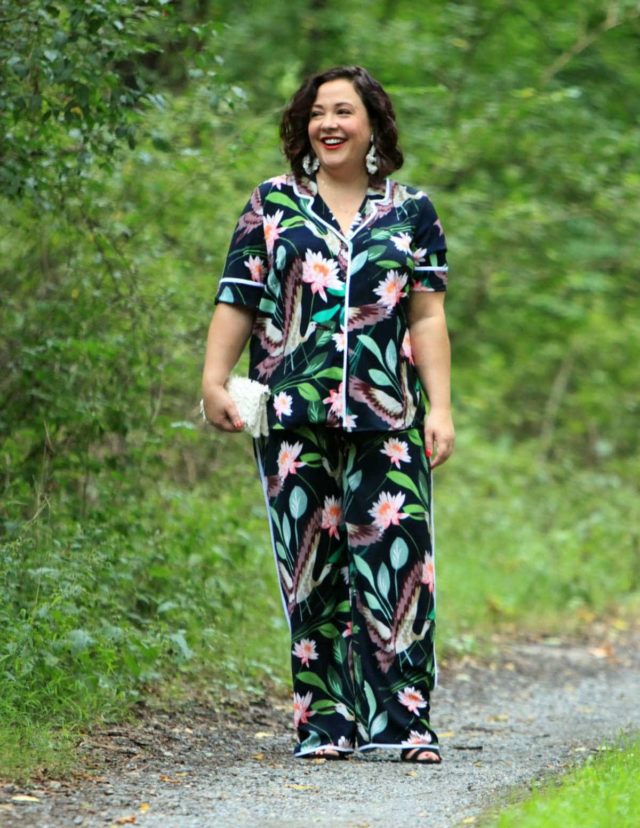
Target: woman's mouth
x,y
332,143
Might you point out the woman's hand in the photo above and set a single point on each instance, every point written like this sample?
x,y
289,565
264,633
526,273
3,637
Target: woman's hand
x,y
439,436
220,409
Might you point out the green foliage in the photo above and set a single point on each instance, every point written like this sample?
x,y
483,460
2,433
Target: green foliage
x,y
134,546
603,792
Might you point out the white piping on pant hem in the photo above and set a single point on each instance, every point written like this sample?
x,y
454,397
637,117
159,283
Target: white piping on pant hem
x,y
402,745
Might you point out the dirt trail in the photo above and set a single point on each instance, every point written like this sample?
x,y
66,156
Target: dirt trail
x,y
539,708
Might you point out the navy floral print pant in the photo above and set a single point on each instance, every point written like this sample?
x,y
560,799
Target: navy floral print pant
x,y
350,523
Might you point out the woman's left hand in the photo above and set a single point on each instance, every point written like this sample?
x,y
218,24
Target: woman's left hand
x,y
439,436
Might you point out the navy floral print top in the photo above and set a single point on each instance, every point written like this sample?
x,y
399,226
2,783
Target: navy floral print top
x,y
330,336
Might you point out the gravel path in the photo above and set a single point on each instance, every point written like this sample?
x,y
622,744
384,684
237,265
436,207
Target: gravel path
x,y
539,708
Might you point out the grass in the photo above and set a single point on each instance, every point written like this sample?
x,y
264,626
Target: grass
x,y
602,793
171,584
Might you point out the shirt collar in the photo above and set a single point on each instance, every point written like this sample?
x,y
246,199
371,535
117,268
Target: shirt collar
x,y
306,187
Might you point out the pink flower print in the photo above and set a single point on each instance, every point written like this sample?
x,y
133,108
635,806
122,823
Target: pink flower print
x,y
301,714
405,350
271,229
256,268
386,510
282,405
320,273
332,515
348,630
335,400
340,340
288,459
390,290
402,242
397,451
416,738
428,577
349,422
411,699
305,650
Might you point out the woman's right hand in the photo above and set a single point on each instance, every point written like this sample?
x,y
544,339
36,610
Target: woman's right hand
x,y
220,409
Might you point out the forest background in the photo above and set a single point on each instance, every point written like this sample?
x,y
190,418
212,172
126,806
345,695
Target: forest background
x,y
134,552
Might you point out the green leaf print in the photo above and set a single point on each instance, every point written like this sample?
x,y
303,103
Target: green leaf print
x,y
311,742
325,707
323,337
266,306
424,487
379,724
372,346
226,295
413,509
371,701
391,356
372,601
282,199
298,502
311,678
329,631
376,250
359,262
388,264
334,681
310,457
398,553
308,392
330,373
281,256
415,437
286,530
295,221
325,315
379,377
282,552
384,580
405,481
363,567
314,365
355,480
275,517
343,606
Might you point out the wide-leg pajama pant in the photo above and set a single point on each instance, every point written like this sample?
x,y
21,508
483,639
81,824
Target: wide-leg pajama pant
x,y
350,522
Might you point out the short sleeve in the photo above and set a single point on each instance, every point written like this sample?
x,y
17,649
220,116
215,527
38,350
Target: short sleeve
x,y
429,250
247,264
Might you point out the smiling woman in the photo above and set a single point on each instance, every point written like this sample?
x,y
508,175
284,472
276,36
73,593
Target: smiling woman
x,y
337,273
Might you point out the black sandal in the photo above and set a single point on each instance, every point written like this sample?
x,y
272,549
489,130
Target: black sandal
x,y
415,754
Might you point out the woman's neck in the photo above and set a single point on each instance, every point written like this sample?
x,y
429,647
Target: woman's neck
x,y
342,183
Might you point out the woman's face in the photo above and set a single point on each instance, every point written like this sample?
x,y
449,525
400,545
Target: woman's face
x,y
339,128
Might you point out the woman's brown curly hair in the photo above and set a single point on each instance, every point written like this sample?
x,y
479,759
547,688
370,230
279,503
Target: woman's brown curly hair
x,y
295,119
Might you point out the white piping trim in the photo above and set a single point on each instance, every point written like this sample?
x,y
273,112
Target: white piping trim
x,y
345,355
263,481
443,268
242,282
432,533
402,746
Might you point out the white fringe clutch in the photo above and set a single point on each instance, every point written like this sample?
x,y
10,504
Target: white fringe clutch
x,y
250,398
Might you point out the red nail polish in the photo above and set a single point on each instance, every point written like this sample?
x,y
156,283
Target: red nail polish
x,y
428,452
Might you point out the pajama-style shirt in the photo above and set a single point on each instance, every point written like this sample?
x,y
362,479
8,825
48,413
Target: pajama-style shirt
x,y
331,336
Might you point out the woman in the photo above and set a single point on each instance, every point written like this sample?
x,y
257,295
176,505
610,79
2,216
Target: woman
x,y
337,274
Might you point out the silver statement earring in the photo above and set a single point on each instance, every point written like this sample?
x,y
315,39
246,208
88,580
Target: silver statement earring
x,y
310,163
371,159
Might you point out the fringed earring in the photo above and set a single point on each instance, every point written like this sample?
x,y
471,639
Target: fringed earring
x,y
371,159
310,163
